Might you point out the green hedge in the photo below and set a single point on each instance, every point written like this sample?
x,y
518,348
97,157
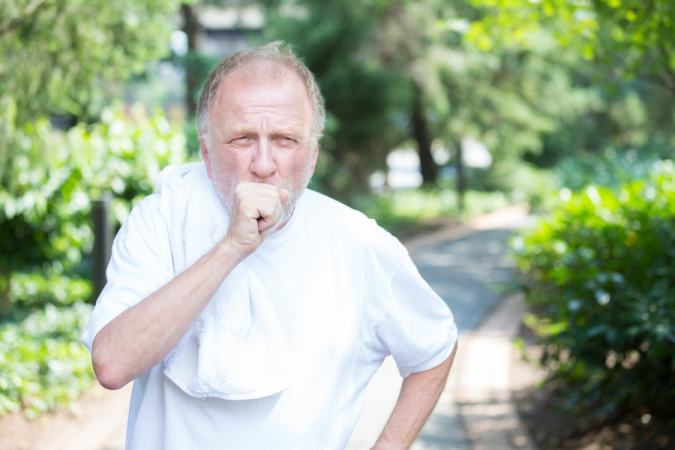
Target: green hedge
x,y
599,273
42,363
35,290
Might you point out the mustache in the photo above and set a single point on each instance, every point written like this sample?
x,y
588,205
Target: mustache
x,y
266,180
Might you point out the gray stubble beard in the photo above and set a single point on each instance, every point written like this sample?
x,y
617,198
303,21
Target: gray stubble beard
x,y
225,187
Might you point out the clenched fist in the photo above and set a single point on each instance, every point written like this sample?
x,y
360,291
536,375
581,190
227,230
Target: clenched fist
x,y
257,208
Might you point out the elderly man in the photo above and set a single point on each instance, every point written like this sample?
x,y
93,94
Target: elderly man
x,y
251,313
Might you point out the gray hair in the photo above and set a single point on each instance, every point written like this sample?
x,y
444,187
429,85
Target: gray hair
x,y
275,52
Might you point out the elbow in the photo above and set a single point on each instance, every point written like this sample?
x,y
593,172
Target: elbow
x,y
109,380
107,372
107,376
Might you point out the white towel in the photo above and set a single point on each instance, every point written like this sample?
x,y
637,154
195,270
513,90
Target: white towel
x,y
236,349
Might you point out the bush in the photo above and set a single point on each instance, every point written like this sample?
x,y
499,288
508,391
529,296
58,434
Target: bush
x,y
30,290
47,184
42,363
599,276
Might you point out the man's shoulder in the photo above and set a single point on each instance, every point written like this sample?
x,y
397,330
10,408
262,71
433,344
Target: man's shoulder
x,y
326,209
349,223
316,200
144,218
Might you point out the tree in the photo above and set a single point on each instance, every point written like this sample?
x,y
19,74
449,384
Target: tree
x,y
641,34
510,98
57,54
190,28
525,97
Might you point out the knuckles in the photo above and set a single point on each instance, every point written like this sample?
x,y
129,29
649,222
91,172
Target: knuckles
x,y
256,195
256,205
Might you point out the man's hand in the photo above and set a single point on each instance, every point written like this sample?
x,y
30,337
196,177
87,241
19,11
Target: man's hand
x,y
257,208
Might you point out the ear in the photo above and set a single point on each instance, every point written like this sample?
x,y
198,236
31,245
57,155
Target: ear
x,y
205,152
314,157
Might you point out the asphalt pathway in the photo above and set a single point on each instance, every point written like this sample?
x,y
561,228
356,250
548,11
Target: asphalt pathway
x,y
464,273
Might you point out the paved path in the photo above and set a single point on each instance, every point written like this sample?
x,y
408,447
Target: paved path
x,y
463,265
483,382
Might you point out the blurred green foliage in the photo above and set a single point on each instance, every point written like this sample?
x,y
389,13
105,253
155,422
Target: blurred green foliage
x,y
609,169
598,273
49,182
42,363
408,211
57,55
31,181
532,101
642,32
123,154
31,291
510,99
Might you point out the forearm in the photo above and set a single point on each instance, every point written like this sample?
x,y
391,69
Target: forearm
x,y
140,337
418,397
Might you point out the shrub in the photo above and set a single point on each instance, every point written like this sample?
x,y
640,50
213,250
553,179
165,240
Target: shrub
x,y
599,276
30,290
48,182
42,363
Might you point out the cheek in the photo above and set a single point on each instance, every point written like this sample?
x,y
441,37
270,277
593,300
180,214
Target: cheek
x,y
296,163
234,162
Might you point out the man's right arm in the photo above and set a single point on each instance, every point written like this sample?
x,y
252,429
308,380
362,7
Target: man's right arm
x,y
140,337
144,334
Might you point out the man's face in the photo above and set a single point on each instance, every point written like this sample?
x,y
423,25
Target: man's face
x,y
261,131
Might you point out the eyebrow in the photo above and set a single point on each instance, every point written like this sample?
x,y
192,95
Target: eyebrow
x,y
292,131
235,130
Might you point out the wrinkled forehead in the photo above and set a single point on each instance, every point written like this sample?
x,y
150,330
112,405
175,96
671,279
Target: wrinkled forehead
x,y
263,72
260,82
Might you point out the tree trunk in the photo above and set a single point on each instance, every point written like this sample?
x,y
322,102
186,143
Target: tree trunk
x,y
461,179
428,166
190,27
6,302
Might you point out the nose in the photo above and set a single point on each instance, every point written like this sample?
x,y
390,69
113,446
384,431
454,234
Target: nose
x,y
263,163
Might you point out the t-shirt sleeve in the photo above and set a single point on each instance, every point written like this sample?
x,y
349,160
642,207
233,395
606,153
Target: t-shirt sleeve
x,y
418,328
139,265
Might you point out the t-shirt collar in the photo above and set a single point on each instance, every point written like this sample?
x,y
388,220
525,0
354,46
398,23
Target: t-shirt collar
x,y
281,236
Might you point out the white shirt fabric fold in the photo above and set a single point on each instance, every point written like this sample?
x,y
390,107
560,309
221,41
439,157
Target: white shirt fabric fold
x,y
346,295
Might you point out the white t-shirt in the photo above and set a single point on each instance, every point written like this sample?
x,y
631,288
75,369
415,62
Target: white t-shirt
x,y
346,294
